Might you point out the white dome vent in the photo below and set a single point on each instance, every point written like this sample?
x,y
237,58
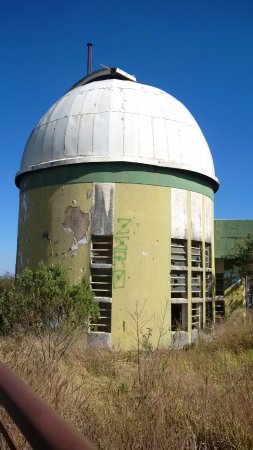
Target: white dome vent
x,y
115,119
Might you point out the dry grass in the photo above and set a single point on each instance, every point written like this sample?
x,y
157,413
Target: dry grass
x,y
200,398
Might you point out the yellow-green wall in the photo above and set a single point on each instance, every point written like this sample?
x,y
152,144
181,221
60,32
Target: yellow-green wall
x,y
41,231
140,297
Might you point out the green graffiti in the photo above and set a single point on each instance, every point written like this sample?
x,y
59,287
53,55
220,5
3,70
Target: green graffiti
x,y
123,231
121,244
121,237
118,279
119,258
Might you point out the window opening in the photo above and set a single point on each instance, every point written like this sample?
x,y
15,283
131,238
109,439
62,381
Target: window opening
x,y
219,284
196,254
197,316
197,285
200,254
209,285
219,299
101,280
178,317
208,255
178,253
219,308
104,321
101,250
178,284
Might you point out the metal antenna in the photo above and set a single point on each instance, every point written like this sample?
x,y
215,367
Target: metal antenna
x,y
89,58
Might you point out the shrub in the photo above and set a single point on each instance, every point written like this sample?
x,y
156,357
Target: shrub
x,y
44,300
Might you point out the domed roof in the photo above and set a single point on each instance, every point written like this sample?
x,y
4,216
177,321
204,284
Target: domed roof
x,y
114,119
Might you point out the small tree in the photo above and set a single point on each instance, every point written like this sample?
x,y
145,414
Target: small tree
x,y
243,254
243,257
44,302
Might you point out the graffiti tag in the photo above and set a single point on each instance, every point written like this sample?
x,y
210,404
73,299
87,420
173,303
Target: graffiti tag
x,y
120,253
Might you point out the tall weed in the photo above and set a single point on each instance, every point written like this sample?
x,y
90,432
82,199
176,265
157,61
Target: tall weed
x,y
199,398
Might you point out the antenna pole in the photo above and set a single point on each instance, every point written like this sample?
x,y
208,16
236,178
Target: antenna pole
x,y
89,58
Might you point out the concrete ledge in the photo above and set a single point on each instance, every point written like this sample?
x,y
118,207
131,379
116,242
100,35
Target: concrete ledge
x,y
179,339
99,339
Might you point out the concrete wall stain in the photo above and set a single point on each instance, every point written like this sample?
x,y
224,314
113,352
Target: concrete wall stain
x,y
103,209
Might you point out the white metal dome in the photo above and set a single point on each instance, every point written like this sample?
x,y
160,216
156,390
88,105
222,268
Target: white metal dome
x,y
118,120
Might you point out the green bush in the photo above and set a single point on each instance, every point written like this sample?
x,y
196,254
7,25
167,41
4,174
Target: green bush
x,y
45,300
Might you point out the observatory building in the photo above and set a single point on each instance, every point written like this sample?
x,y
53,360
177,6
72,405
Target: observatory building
x,y
117,183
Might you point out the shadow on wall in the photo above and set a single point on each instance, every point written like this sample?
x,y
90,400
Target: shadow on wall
x,y
235,296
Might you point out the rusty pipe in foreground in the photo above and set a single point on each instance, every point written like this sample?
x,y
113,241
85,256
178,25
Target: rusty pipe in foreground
x,y
40,424
7,437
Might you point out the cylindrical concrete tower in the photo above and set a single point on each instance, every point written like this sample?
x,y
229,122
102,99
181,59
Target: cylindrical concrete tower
x,y
117,183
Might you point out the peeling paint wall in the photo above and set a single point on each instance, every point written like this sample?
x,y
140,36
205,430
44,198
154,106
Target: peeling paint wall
x,y
77,223
54,226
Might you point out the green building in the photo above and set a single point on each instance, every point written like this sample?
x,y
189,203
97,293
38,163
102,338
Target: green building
x,y
232,291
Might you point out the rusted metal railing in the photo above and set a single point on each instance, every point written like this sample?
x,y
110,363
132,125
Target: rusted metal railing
x,y
40,424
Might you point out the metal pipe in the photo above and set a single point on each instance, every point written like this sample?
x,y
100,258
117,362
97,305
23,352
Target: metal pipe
x,y
7,437
41,425
89,58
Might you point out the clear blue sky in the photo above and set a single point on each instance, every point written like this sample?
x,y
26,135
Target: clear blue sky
x,y
200,51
